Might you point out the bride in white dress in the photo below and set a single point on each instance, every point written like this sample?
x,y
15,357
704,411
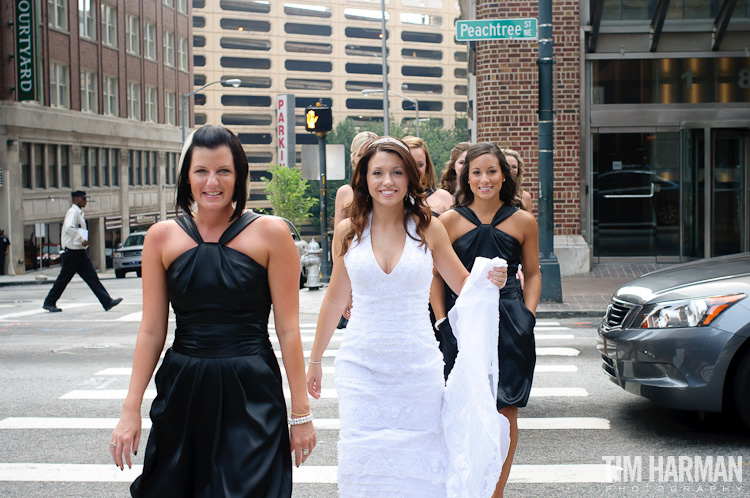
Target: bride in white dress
x,y
389,369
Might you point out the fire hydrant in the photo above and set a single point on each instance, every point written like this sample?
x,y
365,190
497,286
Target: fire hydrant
x,y
311,261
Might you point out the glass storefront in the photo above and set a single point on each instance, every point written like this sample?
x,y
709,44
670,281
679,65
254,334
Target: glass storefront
x,y
673,194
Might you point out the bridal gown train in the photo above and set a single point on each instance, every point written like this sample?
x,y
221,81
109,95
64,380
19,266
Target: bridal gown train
x,y
389,377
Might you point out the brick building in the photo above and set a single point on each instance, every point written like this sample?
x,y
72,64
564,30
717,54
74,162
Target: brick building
x,y
89,100
652,123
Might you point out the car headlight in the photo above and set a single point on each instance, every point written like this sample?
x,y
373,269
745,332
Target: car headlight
x,y
686,313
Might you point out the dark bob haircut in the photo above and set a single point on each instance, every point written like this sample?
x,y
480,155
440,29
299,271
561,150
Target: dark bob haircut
x,y
213,137
507,191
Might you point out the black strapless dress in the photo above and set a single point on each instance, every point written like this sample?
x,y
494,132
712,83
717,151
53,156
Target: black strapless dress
x,y
516,347
219,417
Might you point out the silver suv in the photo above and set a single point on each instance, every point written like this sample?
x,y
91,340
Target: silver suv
x,y
128,255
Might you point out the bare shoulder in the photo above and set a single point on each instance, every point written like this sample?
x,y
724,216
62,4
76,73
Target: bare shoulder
x,y
434,229
343,227
449,217
444,196
272,227
525,218
344,193
159,232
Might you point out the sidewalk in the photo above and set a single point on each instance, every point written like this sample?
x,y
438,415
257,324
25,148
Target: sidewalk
x,y
583,295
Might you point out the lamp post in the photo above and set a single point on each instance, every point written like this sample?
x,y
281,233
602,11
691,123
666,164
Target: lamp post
x,y
384,53
234,82
414,101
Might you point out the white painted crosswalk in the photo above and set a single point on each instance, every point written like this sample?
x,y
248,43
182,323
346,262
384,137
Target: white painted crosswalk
x,y
554,357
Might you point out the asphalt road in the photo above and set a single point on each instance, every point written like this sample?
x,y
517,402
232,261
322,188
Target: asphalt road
x,y
64,375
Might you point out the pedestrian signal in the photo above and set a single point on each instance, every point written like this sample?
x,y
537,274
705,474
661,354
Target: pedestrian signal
x,y
318,119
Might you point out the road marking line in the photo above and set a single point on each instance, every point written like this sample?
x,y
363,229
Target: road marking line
x,y
64,423
548,392
131,317
41,310
557,352
307,474
328,353
555,368
326,393
550,337
547,328
128,370
562,423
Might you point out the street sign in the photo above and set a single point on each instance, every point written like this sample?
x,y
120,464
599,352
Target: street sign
x,y
285,136
497,29
335,162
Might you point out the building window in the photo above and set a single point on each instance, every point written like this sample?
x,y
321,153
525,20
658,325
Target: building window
x,y
131,168
132,34
245,44
367,33
105,168
244,6
115,163
423,4
246,100
422,72
154,169
149,41
65,165
94,165
421,19
365,51
134,100
25,165
182,6
85,166
109,25
109,95
250,63
314,66
241,25
170,108
58,14
87,19
245,119
298,9
307,84
307,29
182,53
358,68
365,15
88,92
410,53
199,41
146,168
169,48
59,85
416,36
53,180
150,100
308,47
39,166
169,3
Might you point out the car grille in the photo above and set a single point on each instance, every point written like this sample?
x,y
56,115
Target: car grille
x,y
616,313
130,254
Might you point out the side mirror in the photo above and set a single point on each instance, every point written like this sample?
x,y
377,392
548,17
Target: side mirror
x,y
119,246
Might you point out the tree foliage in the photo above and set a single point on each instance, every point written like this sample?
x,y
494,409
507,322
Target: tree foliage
x,y
286,191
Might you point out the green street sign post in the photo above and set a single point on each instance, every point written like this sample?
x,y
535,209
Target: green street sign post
x,y
497,29
25,50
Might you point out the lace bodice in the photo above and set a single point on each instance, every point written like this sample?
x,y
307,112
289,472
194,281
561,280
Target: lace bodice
x,y
389,300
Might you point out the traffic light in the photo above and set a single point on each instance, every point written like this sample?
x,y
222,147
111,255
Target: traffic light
x,y
318,119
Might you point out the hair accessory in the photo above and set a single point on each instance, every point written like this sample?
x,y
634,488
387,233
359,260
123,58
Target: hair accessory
x,y
185,148
383,140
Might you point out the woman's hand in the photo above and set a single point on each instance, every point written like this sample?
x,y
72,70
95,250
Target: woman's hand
x,y
498,275
303,440
126,437
314,379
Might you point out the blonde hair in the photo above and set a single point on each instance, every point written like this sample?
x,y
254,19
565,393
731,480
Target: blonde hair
x,y
358,142
519,175
429,178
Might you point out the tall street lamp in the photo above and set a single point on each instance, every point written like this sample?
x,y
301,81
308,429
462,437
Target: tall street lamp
x,y
234,82
414,101
384,53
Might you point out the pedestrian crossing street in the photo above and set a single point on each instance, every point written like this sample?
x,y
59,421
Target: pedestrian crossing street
x,y
556,359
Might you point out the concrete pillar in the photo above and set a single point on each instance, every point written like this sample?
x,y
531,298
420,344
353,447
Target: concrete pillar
x,y
161,182
11,205
124,194
96,242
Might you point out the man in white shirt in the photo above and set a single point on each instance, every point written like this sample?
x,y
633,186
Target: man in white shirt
x,y
75,258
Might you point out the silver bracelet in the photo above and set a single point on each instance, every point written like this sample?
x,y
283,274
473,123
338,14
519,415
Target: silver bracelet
x,y
301,420
315,362
438,323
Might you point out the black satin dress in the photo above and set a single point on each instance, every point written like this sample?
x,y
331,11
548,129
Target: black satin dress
x,y
219,417
516,347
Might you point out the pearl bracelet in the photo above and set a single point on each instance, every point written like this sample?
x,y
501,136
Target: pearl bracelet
x,y
301,420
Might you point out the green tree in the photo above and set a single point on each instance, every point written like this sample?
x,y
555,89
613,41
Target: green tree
x,y
286,192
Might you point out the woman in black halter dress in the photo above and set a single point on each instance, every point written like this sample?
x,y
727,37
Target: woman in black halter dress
x,y
486,223
219,418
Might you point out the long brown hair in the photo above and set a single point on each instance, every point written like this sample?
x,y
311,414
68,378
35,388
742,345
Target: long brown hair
x,y
507,191
361,206
449,179
429,178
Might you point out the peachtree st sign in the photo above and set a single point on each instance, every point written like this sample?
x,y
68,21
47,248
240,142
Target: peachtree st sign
x,y
497,29
25,50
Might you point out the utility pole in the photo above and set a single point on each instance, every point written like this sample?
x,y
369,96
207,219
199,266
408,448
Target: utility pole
x,y
384,52
550,267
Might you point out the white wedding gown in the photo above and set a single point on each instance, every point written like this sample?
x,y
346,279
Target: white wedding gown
x,y
389,377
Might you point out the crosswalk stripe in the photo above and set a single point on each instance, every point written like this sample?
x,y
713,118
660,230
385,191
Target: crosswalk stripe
x,y
16,423
326,393
557,352
128,370
550,337
555,368
307,474
40,310
328,353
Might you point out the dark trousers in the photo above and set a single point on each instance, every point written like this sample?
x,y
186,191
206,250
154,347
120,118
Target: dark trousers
x,y
77,262
2,264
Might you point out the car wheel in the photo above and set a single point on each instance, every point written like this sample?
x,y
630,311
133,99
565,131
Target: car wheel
x,y
119,273
742,389
138,273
